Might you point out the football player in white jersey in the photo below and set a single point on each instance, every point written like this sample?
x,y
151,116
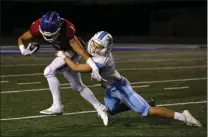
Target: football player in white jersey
x,y
118,87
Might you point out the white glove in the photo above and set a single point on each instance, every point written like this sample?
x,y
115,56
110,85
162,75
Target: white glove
x,y
95,71
61,54
95,75
27,50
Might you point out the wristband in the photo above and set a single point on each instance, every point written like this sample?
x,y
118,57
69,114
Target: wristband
x,y
22,48
91,63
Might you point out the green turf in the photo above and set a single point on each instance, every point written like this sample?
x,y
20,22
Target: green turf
x,y
29,103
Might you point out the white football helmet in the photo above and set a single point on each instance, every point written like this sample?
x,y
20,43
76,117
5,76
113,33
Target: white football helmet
x,y
102,38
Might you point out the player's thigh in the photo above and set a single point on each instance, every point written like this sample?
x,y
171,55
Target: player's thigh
x,y
74,78
57,63
111,100
55,66
124,87
132,99
137,103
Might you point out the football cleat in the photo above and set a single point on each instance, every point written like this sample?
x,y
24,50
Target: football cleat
x,y
190,120
53,110
102,112
151,102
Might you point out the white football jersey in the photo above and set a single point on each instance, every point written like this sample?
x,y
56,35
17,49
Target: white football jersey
x,y
106,67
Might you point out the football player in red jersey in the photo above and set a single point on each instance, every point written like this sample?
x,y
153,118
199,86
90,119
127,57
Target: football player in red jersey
x,y
60,33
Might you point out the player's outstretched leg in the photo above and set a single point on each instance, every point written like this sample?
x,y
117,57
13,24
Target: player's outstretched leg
x,y
138,104
76,84
185,116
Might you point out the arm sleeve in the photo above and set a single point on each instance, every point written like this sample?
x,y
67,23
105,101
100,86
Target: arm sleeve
x,y
71,30
34,28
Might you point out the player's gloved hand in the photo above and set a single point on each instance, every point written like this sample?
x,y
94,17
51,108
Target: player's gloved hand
x,y
95,75
61,54
95,71
26,51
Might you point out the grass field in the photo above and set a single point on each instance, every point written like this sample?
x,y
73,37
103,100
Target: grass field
x,y
176,79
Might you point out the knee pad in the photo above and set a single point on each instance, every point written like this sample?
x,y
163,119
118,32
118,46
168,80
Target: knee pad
x,y
77,86
138,104
143,108
49,72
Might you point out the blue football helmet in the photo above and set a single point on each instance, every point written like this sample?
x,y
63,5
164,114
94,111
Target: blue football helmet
x,y
50,26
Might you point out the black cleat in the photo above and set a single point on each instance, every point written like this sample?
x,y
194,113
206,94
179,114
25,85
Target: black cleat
x,y
151,102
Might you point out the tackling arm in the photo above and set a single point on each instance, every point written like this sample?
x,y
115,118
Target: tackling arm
x,y
74,66
77,67
76,45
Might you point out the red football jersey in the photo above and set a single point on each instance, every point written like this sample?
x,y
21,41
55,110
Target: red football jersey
x,y
67,32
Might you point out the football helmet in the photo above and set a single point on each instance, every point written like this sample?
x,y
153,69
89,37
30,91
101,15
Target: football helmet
x,y
50,26
103,39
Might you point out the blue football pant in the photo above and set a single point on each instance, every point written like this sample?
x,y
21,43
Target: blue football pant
x,y
122,91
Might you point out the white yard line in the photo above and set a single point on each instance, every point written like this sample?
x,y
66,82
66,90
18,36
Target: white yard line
x,y
117,62
29,83
184,103
192,54
171,80
85,112
28,90
22,58
98,85
162,54
162,68
20,75
42,89
157,60
175,88
140,86
124,69
4,81
23,65
45,89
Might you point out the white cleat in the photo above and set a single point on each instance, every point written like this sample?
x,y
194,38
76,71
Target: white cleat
x,y
102,112
190,120
53,110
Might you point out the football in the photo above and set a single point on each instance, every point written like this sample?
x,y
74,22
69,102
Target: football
x,y
33,46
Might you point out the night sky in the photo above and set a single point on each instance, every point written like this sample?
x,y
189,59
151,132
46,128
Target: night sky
x,y
119,19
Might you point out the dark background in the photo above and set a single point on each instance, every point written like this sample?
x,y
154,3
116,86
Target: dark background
x,y
128,21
